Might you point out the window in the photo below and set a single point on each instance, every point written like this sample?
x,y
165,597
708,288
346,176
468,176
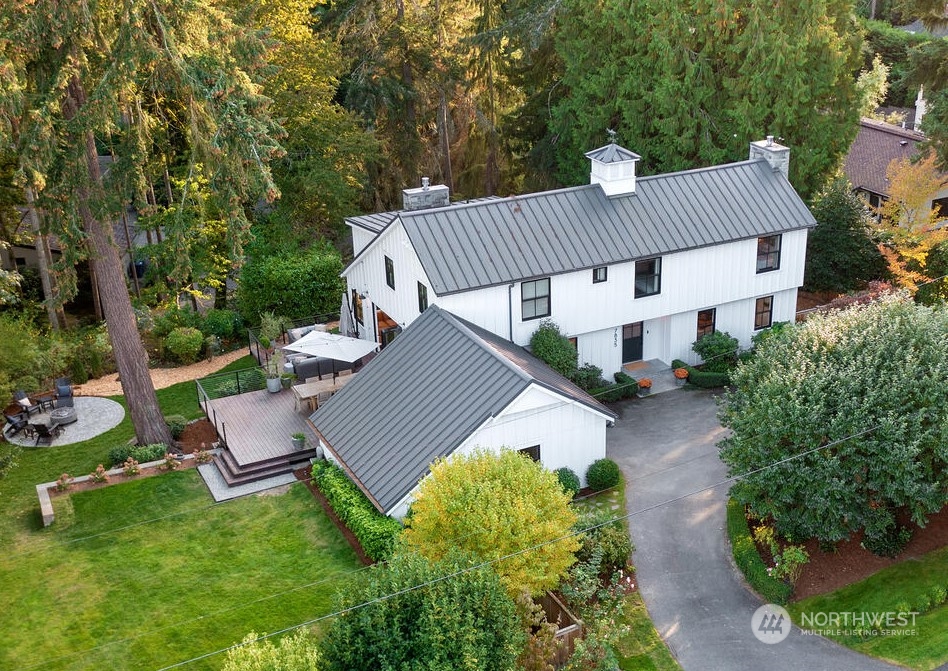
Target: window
x,y
532,452
768,253
763,313
574,342
940,207
422,297
357,307
600,274
648,277
389,272
706,321
535,299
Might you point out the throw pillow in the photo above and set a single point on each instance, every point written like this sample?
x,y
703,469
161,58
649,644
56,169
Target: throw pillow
x,y
63,391
25,402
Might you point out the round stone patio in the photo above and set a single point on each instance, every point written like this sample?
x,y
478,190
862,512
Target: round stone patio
x,y
94,416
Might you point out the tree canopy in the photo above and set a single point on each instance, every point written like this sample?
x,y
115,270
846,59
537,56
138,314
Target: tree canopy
x,y
867,383
492,505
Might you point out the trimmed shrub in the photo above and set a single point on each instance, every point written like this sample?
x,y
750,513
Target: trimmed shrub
x,y
185,344
176,424
568,479
701,378
376,532
224,324
587,376
119,454
603,474
888,542
718,350
748,559
608,394
628,384
554,349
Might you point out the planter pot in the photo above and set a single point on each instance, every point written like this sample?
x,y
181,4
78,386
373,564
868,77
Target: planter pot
x,y
273,385
681,381
286,382
298,443
644,391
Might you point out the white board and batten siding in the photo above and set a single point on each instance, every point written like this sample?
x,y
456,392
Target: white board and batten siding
x,y
569,434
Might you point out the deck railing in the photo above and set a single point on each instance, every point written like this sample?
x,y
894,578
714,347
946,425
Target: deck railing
x,y
263,354
222,385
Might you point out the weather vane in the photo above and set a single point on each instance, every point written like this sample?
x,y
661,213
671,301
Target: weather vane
x,y
612,135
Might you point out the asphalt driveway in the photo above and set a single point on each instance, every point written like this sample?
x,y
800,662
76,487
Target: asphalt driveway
x,y
665,445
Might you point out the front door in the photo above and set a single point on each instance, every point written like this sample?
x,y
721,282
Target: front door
x,y
632,342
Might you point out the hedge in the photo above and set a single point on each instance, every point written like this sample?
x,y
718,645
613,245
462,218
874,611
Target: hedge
x,y
140,453
376,532
628,384
748,558
700,378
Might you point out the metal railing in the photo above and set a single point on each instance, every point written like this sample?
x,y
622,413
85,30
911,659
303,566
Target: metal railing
x,y
222,385
263,354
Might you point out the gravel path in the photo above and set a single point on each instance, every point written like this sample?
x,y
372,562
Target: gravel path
x,y
109,385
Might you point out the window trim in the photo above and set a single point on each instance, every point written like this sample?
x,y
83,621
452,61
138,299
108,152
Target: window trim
x,y
714,323
422,297
657,260
536,297
605,274
769,312
390,273
769,255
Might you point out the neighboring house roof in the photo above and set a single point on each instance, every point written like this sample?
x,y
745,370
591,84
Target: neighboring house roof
x,y
876,145
423,396
495,242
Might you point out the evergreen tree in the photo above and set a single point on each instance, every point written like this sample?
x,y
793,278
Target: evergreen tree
x,y
83,80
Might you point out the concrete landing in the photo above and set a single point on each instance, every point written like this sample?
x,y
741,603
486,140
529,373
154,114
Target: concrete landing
x,y
659,372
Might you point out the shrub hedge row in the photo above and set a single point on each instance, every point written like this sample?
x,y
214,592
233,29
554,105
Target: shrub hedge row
x,y
140,453
376,532
700,378
748,559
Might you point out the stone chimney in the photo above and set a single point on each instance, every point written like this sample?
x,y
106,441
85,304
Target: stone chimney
x,y
775,154
426,196
920,105
613,168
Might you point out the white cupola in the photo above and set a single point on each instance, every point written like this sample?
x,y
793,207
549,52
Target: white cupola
x,y
613,168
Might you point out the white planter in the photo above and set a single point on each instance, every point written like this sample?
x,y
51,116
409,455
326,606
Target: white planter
x,y
273,385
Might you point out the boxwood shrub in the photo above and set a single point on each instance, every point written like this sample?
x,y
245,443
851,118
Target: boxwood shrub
x,y
700,378
376,532
140,453
568,479
628,384
603,474
748,558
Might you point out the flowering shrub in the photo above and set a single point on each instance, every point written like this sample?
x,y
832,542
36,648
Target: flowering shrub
x,y
64,482
170,463
131,467
99,474
203,457
681,373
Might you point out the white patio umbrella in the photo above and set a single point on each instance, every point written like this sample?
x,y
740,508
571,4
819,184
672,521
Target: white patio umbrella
x,y
332,346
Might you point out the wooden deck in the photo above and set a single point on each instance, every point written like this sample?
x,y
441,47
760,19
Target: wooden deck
x,y
258,425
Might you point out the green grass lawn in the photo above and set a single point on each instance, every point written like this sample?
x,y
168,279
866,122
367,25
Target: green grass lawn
x,y
881,593
106,588
642,649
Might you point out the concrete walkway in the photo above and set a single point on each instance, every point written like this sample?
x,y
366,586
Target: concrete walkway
x,y
698,601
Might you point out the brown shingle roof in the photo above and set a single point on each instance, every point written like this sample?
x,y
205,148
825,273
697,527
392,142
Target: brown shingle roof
x,y
876,145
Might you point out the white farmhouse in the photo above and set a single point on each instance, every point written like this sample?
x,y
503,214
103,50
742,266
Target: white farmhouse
x,y
629,268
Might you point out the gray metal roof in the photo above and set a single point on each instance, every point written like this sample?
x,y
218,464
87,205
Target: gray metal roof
x,y
378,221
612,153
505,240
424,395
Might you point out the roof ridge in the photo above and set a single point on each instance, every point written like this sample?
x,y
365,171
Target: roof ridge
x,y
892,129
707,168
501,199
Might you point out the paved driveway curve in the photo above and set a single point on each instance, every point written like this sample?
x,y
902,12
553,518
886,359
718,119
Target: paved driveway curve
x,y
665,445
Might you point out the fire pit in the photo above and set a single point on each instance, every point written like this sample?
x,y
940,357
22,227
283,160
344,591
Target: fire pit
x,y
61,416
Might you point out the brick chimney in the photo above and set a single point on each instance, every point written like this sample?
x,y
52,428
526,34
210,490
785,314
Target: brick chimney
x,y
613,168
775,154
426,196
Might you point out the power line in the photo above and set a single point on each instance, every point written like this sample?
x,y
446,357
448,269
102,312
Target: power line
x,y
517,553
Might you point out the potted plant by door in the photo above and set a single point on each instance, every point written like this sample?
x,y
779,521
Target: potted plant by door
x,y
681,376
645,386
299,440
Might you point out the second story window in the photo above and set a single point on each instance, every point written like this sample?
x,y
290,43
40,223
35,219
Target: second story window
x,y
600,274
389,272
768,253
422,297
648,277
535,299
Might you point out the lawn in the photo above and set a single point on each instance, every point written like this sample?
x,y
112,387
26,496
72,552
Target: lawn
x,y
642,649
150,572
908,582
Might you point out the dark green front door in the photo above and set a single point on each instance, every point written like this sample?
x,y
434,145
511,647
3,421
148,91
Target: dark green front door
x,y
632,342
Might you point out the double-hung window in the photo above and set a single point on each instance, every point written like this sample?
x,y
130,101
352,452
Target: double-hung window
x,y
768,253
648,277
764,313
535,299
706,321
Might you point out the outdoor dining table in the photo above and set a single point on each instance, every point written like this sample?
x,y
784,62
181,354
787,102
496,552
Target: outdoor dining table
x,y
307,393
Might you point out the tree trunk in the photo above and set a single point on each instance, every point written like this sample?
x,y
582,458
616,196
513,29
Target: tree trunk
x,y
127,346
43,258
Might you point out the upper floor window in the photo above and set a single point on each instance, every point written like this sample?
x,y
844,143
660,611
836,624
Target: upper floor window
x,y
535,299
357,307
768,253
648,277
389,272
600,274
764,313
706,321
422,297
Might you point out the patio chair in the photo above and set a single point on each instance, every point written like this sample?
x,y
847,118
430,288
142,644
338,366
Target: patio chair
x,y
45,434
321,398
16,423
63,393
345,372
29,407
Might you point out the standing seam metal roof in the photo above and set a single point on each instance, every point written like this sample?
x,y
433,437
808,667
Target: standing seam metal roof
x,y
423,396
494,242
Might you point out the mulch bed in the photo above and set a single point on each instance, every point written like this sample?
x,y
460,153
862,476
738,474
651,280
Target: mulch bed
x,y
305,476
197,436
850,563
116,479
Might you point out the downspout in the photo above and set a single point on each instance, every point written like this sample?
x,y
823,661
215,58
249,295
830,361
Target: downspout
x,y
510,310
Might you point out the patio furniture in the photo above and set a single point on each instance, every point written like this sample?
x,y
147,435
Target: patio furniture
x,y
64,397
46,401
322,397
45,434
29,406
63,415
16,423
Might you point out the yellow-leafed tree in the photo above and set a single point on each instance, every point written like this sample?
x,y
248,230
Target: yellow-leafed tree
x,y
493,505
